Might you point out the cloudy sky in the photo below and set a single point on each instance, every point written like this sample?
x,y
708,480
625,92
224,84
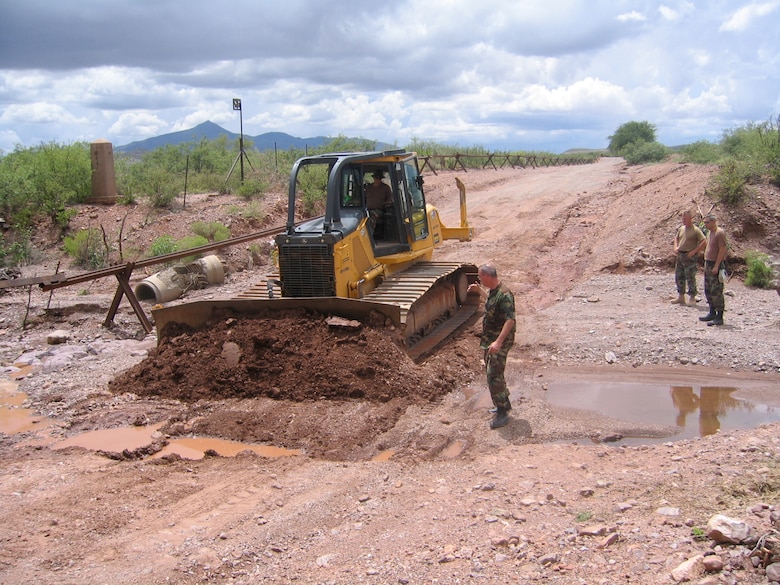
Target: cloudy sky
x,y
502,74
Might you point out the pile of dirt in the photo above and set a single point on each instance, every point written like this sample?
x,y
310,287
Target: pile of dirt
x,y
294,357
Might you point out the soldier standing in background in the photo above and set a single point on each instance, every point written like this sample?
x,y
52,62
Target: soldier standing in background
x,y
714,261
686,240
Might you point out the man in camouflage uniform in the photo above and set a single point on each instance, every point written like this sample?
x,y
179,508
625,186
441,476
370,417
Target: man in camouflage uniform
x,y
498,336
686,240
715,248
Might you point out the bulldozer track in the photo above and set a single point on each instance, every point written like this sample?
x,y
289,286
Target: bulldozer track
x,y
406,287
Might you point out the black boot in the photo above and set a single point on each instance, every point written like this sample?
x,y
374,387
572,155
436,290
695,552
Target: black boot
x,y
717,320
502,419
708,317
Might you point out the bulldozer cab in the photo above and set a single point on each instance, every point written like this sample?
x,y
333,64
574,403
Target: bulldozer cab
x,y
392,205
404,221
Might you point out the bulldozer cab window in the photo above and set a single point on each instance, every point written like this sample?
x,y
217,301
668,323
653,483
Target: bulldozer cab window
x,y
351,189
419,215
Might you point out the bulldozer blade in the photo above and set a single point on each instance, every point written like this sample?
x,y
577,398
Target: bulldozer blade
x,y
198,313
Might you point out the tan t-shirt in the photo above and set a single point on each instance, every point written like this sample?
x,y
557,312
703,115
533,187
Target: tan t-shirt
x,y
716,241
689,238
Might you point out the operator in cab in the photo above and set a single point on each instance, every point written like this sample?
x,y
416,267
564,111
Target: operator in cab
x,y
379,196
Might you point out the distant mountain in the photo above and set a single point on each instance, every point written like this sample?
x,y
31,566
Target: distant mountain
x,y
212,131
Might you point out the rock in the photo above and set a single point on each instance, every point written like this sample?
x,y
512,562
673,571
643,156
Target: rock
x,y
773,572
688,570
231,353
335,321
713,563
610,357
611,539
722,529
57,337
599,530
668,511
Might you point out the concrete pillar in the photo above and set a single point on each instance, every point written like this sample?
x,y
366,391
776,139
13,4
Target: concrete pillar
x,y
103,175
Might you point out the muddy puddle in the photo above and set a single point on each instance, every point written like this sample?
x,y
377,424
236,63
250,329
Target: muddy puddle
x,y
689,411
132,438
14,419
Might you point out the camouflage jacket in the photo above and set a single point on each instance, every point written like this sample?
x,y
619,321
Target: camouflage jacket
x,y
499,307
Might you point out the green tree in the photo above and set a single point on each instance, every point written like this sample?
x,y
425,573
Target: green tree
x,y
631,132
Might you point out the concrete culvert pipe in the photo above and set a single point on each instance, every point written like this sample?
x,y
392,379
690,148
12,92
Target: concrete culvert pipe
x,y
213,269
160,287
170,284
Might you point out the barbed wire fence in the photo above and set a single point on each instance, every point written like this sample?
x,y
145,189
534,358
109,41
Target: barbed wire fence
x,y
439,162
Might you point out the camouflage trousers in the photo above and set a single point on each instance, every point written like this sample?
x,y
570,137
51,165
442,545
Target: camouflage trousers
x,y
496,364
713,288
685,272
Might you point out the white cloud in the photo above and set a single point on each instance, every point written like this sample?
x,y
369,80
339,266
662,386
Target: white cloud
x,y
745,16
138,124
39,113
633,15
676,13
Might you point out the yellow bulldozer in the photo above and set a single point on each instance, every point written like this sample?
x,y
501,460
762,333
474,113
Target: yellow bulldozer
x,y
361,257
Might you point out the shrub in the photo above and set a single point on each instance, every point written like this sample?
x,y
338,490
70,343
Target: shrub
x,y
189,242
701,152
730,182
165,244
213,231
162,188
251,188
16,250
43,181
759,273
251,211
637,153
87,248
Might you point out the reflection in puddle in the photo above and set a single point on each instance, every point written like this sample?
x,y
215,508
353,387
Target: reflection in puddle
x,y
695,411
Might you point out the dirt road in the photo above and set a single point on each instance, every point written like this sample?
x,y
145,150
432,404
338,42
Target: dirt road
x,y
410,485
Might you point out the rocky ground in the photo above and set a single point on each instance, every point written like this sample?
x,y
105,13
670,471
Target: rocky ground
x,y
386,470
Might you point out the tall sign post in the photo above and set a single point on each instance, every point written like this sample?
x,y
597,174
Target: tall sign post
x,y
241,153
237,106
